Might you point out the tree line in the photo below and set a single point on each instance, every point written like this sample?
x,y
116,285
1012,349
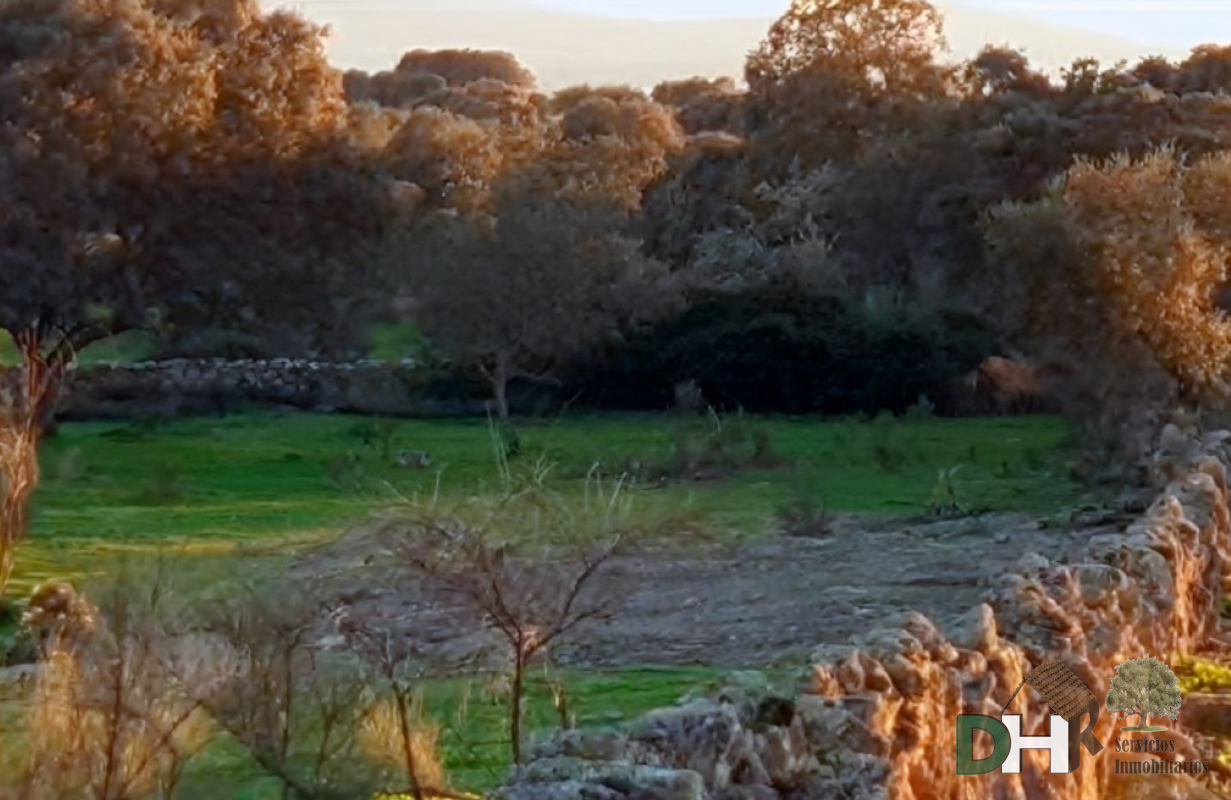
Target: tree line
x,y
856,221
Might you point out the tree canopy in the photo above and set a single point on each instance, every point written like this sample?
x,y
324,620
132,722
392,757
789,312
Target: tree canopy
x,y
515,293
161,157
829,71
201,170
172,165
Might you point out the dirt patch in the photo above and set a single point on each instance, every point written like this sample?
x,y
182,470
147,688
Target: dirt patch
x,y
749,605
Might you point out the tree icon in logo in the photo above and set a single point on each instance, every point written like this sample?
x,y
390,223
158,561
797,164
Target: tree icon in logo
x,y
1144,686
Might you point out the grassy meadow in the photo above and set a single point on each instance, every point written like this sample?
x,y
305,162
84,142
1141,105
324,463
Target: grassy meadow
x,y
265,483
265,479
473,729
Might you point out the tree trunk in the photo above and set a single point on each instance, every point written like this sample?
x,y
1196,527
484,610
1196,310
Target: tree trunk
x,y
500,386
28,396
1145,718
501,399
515,700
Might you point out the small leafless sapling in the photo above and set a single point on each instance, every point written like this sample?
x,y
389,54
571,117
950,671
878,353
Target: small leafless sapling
x,y
530,599
395,729
295,708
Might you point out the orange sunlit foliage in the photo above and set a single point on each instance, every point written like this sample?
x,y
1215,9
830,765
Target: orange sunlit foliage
x,y
460,67
1154,233
871,46
456,146
391,89
1162,254
452,158
606,141
999,70
451,121
703,105
283,104
122,115
371,127
1158,72
612,142
423,75
487,99
87,92
829,69
1207,69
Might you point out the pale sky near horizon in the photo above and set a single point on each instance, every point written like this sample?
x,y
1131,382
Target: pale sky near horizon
x,y
1170,23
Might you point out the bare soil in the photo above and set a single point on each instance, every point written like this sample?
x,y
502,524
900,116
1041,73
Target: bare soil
x,y
749,605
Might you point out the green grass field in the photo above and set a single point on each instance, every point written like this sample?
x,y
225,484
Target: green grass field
x,y
260,482
473,729
266,478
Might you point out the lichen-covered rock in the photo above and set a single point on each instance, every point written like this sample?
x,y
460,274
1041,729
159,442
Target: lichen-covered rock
x,y
567,778
1101,584
747,741
975,630
597,745
830,726
565,790
705,737
855,776
787,755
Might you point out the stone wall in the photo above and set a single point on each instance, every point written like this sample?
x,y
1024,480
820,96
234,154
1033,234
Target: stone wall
x,y
187,386
181,386
878,717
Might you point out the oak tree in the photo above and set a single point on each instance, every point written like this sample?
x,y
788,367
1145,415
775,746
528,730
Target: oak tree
x,y
828,71
999,70
461,67
514,293
609,141
159,161
704,105
1207,69
1117,271
456,145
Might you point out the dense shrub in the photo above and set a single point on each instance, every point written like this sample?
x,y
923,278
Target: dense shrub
x,y
778,350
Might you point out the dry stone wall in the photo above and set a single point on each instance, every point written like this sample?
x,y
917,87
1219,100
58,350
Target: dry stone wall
x,y
878,717
180,386
185,386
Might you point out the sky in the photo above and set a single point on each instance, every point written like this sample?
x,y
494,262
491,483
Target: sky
x,y
584,44
1167,23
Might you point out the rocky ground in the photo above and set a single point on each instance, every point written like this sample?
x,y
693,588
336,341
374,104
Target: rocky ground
x,y
747,605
